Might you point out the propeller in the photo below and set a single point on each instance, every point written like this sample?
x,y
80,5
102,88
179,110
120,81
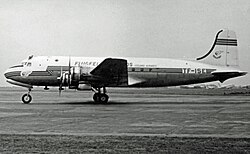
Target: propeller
x,y
61,82
69,74
64,77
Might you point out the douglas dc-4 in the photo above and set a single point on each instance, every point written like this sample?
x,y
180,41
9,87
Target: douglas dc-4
x,y
88,73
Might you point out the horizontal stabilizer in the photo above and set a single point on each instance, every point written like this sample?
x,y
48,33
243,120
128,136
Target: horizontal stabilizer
x,y
134,81
112,72
226,74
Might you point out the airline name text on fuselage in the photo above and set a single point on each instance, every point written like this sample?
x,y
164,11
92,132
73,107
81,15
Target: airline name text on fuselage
x,y
86,63
94,63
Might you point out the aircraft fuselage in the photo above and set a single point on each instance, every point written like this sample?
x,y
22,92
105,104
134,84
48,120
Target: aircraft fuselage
x,y
142,72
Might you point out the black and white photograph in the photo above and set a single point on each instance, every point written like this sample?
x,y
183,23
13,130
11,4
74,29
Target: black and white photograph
x,y
124,76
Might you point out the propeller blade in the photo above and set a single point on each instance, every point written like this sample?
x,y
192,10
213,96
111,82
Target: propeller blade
x,y
60,91
69,82
61,80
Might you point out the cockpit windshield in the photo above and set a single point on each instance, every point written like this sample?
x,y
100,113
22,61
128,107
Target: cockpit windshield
x,y
28,64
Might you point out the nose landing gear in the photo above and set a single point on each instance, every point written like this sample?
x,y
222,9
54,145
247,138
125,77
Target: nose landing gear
x,y
26,98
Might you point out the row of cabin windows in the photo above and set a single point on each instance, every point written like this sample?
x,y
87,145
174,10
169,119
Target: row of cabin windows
x,y
140,69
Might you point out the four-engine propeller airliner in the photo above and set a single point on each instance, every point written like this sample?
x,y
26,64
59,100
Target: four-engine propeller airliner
x,y
89,73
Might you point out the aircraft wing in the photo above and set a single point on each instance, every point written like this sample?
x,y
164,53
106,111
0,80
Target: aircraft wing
x,y
223,75
112,72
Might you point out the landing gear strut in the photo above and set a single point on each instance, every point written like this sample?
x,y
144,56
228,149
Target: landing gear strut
x,y
100,96
26,98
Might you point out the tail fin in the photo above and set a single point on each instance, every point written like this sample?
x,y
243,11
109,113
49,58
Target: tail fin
x,y
224,50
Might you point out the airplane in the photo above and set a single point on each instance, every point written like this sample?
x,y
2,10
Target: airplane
x,y
96,73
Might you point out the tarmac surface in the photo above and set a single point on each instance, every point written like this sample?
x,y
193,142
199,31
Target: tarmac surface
x,y
129,112
158,112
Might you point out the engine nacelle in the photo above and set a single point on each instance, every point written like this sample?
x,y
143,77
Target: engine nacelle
x,y
84,87
73,77
75,74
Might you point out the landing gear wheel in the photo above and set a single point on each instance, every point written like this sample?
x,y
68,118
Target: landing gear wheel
x,y
104,98
26,98
100,95
100,98
96,97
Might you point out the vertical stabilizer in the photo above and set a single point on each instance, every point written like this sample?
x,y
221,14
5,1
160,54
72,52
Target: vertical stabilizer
x,y
224,50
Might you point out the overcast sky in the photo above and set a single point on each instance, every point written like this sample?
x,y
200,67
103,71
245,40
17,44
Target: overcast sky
x,y
120,28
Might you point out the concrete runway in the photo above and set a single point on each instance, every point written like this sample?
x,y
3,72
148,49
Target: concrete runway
x,y
132,112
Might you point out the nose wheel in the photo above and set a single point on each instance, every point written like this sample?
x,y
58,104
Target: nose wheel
x,y
26,98
100,96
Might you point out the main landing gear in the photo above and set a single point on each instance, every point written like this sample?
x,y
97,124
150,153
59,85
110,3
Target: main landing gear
x,y
26,98
100,96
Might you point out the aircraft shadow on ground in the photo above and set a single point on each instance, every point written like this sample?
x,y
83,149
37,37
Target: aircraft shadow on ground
x,y
111,103
93,103
81,103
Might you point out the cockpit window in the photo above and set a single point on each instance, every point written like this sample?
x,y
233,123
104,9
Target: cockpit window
x,y
16,66
26,64
30,57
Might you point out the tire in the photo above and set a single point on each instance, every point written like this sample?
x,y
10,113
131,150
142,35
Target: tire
x,y
96,97
104,98
26,98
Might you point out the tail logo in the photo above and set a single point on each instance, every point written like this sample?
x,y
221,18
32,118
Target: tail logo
x,y
218,54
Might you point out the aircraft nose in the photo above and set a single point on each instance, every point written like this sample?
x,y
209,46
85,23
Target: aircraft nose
x,y
7,73
11,74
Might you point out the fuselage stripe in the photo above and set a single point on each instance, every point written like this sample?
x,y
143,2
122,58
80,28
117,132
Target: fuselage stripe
x,y
228,44
130,70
